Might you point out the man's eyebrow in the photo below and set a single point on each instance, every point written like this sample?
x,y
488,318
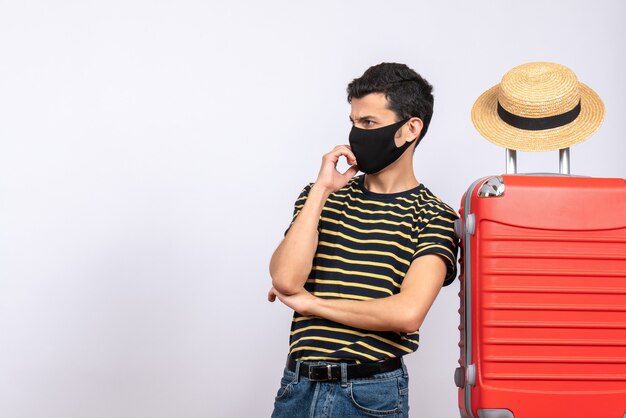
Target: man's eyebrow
x,y
362,118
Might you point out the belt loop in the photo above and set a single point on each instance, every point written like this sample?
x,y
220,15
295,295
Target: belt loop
x,y
404,369
344,374
298,363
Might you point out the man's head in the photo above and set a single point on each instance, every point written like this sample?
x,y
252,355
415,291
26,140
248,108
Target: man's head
x,y
407,94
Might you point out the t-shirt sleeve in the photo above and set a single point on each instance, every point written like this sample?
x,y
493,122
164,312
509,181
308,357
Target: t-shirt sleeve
x,y
299,203
438,237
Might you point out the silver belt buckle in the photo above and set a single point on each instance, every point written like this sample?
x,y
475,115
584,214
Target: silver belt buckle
x,y
329,374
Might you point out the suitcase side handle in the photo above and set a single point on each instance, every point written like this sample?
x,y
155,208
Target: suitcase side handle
x,y
511,161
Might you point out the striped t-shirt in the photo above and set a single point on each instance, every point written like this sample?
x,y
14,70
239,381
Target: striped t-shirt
x,y
366,244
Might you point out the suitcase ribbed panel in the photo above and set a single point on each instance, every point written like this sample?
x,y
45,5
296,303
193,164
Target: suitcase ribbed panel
x,y
552,309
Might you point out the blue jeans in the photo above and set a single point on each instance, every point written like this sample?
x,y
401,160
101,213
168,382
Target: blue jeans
x,y
381,395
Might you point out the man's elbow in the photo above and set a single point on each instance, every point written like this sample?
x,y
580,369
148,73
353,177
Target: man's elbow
x,y
286,289
285,278
286,284
410,323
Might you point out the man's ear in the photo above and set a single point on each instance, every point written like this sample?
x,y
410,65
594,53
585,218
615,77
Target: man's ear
x,y
415,126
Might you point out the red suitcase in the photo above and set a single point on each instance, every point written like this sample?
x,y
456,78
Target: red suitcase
x,y
543,297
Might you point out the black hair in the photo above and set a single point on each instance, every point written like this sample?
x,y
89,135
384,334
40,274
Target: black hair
x,y
407,92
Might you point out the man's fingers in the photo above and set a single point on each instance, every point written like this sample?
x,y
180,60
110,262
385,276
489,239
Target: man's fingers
x,y
271,296
329,176
344,150
351,172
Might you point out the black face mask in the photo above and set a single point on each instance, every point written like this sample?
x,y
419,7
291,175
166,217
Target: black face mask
x,y
375,149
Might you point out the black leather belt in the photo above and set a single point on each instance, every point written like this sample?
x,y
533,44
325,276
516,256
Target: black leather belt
x,y
332,371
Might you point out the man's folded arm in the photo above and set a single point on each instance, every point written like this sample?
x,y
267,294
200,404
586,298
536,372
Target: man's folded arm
x,y
402,312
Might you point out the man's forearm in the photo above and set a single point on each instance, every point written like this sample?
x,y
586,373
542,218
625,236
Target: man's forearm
x,y
393,313
292,261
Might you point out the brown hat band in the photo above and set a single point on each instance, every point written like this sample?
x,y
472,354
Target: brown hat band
x,y
538,124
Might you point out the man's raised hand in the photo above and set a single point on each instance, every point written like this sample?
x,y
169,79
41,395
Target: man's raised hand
x,y
329,177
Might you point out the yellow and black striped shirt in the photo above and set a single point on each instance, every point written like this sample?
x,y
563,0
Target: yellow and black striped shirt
x,y
366,244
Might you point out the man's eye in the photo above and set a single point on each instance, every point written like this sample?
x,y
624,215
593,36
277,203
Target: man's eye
x,y
369,123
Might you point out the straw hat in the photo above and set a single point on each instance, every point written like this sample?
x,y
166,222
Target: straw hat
x,y
539,106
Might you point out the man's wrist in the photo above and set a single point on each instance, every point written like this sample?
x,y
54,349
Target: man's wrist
x,y
312,305
320,190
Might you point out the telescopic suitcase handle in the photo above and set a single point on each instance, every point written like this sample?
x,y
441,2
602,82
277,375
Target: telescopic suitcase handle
x,y
511,161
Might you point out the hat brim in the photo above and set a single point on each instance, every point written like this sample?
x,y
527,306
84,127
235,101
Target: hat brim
x,y
489,125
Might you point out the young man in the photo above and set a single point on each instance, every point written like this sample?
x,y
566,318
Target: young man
x,y
363,259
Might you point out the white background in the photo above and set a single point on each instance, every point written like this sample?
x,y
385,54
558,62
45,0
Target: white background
x,y
150,154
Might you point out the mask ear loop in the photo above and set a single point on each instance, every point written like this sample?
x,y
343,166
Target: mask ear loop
x,y
401,123
406,143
